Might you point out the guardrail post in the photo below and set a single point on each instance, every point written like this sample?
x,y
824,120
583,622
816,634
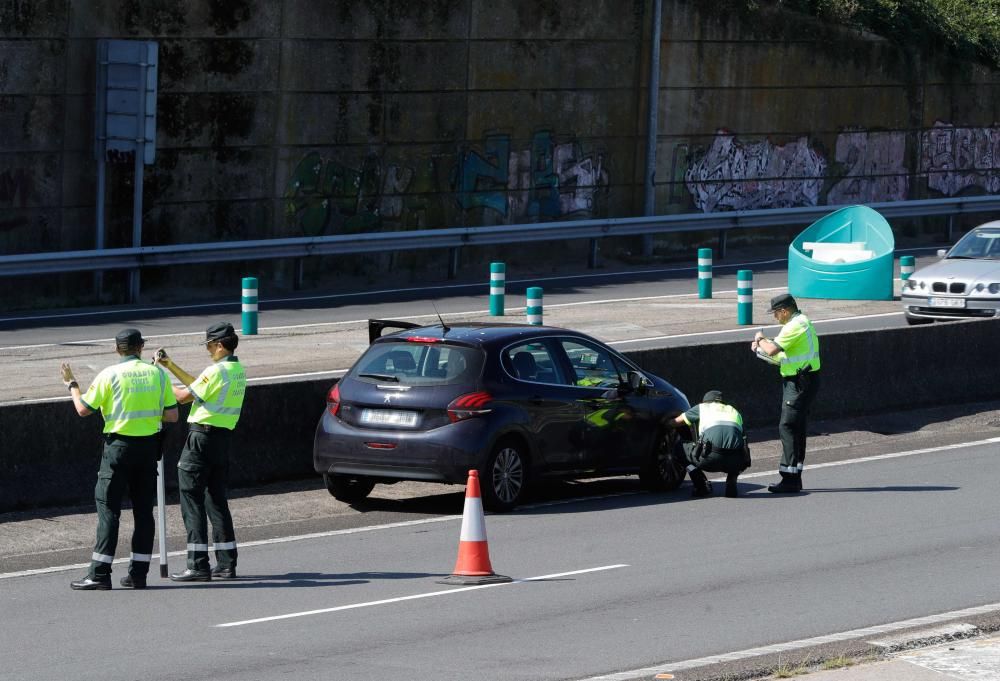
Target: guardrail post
x,y
534,306
723,236
907,264
453,254
592,255
249,306
704,272
744,297
498,282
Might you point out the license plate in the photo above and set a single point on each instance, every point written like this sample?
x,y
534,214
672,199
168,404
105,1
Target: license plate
x,y
388,417
946,302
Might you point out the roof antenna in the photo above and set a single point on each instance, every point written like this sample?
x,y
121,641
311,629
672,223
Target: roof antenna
x,y
444,327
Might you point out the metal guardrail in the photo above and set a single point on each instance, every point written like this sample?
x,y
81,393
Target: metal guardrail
x,y
301,247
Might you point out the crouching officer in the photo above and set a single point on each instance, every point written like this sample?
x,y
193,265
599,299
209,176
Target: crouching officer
x,y
134,398
719,444
203,469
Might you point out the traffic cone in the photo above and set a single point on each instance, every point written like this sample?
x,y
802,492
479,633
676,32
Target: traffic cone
x,y
473,564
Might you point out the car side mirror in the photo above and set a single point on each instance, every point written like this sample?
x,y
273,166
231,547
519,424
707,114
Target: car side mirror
x,y
942,252
636,383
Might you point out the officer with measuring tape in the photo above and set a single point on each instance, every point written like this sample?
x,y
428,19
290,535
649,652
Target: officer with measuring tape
x,y
719,444
203,469
796,351
135,399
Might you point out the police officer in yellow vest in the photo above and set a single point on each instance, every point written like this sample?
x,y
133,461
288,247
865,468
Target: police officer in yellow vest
x,y
796,348
135,398
719,443
203,469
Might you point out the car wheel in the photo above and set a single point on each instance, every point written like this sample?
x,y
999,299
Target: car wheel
x,y
916,321
663,470
504,477
348,489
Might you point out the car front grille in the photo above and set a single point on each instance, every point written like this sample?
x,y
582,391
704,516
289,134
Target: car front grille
x,y
944,287
946,312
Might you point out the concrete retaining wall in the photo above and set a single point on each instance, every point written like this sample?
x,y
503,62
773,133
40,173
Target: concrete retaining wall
x,y
50,455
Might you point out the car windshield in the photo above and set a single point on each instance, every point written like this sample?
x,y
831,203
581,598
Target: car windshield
x,y
418,363
979,243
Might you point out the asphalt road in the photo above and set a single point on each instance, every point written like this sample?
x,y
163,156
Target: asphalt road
x,y
898,522
312,336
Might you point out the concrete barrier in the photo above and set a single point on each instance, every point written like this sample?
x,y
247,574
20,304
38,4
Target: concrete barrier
x,y
50,455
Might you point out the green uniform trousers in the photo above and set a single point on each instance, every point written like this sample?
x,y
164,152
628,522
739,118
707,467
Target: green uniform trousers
x,y
797,396
717,460
203,480
126,462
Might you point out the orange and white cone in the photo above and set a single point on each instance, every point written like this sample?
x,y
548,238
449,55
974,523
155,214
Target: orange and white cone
x,y
473,564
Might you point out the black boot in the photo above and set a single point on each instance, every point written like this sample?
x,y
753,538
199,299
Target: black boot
x,y
89,583
791,483
702,487
731,490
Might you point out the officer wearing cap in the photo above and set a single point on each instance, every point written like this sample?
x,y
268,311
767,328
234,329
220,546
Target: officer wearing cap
x,y
796,349
719,444
135,398
203,469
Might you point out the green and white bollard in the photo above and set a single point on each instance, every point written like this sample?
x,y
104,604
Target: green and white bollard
x,y
744,297
249,306
704,272
907,265
534,306
498,280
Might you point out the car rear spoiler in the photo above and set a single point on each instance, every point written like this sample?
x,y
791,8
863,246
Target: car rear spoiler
x,y
376,326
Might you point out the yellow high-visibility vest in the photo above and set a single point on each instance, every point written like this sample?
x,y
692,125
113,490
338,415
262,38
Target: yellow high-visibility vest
x,y
131,396
218,394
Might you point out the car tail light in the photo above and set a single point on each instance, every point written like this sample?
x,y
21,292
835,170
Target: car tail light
x,y
468,405
333,399
380,445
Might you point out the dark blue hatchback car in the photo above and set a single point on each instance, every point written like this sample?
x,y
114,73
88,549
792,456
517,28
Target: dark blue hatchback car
x,y
514,401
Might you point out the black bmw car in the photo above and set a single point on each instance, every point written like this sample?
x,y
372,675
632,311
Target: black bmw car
x,y
514,401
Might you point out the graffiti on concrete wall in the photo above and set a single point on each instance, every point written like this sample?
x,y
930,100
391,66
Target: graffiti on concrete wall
x,y
875,167
548,180
954,158
738,175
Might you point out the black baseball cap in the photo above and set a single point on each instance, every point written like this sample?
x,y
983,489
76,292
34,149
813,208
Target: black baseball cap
x,y
712,396
218,331
129,338
783,300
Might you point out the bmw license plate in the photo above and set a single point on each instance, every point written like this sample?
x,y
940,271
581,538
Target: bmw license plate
x,y
946,302
388,417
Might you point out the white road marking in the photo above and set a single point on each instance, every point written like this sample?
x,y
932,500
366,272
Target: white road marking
x,y
431,594
882,457
795,645
424,521
334,296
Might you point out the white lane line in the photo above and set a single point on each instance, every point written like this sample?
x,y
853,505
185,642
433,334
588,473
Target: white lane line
x,y
255,379
442,519
751,329
432,594
334,296
666,667
883,457
247,544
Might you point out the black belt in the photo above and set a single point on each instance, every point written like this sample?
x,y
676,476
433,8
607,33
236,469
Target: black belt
x,y
205,428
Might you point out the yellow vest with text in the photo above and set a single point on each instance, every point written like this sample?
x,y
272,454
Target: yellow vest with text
x,y
131,396
799,345
218,394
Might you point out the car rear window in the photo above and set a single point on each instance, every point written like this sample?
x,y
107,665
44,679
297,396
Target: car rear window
x,y
419,363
